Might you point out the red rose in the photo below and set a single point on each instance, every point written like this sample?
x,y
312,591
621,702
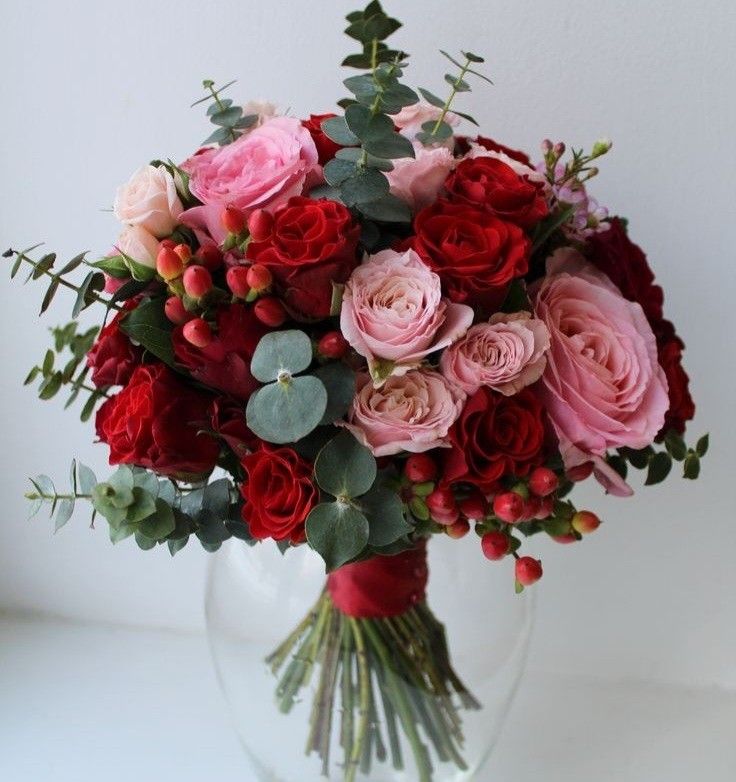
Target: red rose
x,y
493,146
228,422
278,493
326,147
682,407
489,183
476,254
225,363
155,421
312,245
113,357
495,436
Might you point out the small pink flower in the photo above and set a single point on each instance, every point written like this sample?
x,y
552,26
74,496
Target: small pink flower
x,y
149,199
411,412
393,311
140,245
418,180
506,354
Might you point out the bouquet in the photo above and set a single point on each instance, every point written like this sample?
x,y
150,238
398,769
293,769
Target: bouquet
x,y
354,332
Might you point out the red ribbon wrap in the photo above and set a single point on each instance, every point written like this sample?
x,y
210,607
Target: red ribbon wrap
x,y
381,586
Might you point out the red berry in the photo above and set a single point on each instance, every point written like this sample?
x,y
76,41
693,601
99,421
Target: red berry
x,y
585,521
233,220
420,468
333,345
184,251
508,506
168,264
170,243
260,224
546,506
197,332
458,530
197,281
495,545
175,311
237,281
442,506
258,277
528,570
565,539
209,256
543,481
475,506
270,311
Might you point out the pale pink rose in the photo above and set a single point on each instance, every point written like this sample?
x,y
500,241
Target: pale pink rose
x,y
393,311
603,386
506,354
410,119
260,170
262,109
411,412
149,199
418,180
138,244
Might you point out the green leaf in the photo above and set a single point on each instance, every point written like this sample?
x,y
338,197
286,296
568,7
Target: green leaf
x,y
50,386
337,531
49,296
227,117
143,506
550,224
701,447
365,187
281,352
363,87
637,458
659,467
396,97
113,265
344,467
339,380
148,325
92,283
63,514
177,544
338,170
472,57
419,509
144,543
390,146
42,266
219,136
432,98
675,445
388,209
120,533
336,128
691,468
160,524
385,513
86,479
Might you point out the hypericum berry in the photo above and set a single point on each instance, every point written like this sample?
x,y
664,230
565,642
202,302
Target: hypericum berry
x,y
175,311
259,277
197,332
184,251
233,220
260,224
197,281
333,345
546,506
237,281
458,530
210,256
270,311
528,570
543,481
568,537
475,506
585,521
508,506
168,264
442,506
420,468
495,545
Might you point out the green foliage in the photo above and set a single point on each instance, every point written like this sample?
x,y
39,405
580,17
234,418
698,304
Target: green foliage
x,y
370,28
658,464
148,325
339,380
122,267
229,119
344,467
281,352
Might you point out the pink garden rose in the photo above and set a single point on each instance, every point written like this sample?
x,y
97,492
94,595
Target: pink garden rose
x,y
411,412
410,119
149,199
137,243
393,311
506,354
603,386
418,180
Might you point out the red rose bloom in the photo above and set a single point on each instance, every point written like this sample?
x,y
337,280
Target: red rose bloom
x,y
113,357
476,254
228,422
682,407
493,146
278,493
495,436
154,422
312,245
326,147
225,363
489,183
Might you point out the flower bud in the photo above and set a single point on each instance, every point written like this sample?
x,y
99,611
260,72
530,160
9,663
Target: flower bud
x,y
233,220
333,345
197,281
585,521
420,468
543,481
270,311
475,506
258,277
175,311
495,545
168,264
508,506
442,506
209,256
184,251
237,281
546,147
458,530
197,332
528,570
559,149
260,224
601,146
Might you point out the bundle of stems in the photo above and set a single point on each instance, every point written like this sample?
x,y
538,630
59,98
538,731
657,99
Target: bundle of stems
x,y
385,678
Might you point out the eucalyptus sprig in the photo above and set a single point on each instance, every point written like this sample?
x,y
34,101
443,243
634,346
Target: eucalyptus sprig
x,y
659,463
229,119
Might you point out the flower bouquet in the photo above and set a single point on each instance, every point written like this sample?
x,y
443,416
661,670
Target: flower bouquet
x,y
354,332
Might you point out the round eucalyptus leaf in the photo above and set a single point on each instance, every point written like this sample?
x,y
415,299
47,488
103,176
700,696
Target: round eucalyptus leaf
x,y
337,531
284,412
344,467
279,352
339,380
385,512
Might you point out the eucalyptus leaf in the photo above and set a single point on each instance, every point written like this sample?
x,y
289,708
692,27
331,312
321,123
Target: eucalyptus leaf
x,y
339,380
160,524
385,513
63,513
337,531
281,352
344,467
336,128
285,412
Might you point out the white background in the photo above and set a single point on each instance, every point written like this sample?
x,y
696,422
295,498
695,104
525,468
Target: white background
x,y
92,89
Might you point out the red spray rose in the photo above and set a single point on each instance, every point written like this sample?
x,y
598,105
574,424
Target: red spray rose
x,y
312,244
113,357
489,183
495,436
228,422
155,421
682,407
326,147
493,146
224,363
278,493
476,254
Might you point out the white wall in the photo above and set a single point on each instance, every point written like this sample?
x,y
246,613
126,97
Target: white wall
x,y
92,89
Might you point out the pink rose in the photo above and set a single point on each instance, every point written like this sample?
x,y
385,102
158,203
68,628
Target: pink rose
x,y
410,119
603,386
411,412
149,199
506,354
140,245
393,311
419,180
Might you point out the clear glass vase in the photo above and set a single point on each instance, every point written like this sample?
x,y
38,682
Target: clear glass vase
x,y
256,597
